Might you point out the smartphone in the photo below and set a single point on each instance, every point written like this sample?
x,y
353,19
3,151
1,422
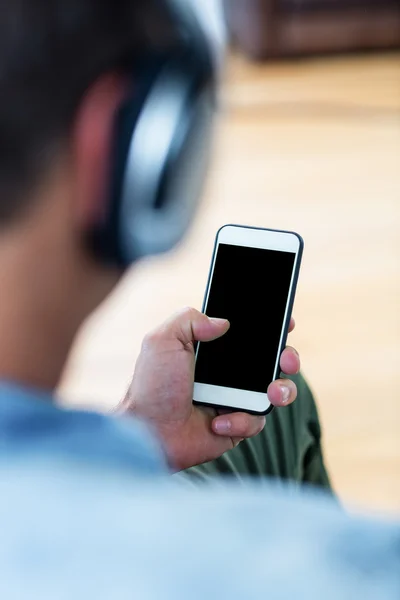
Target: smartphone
x,y
252,283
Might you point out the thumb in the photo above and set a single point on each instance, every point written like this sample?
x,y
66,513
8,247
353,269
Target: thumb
x,y
190,325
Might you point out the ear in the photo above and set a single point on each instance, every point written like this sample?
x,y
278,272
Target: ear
x,y
91,148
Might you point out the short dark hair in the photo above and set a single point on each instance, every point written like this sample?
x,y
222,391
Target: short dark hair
x,y
50,53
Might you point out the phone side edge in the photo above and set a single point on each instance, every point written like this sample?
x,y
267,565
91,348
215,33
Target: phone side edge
x,y
292,297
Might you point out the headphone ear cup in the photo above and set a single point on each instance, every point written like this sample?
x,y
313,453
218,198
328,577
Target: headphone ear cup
x,y
165,167
105,239
162,145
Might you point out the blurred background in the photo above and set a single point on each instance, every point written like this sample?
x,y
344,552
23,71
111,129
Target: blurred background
x,y
308,139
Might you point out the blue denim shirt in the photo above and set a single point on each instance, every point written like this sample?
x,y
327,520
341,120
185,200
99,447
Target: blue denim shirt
x,y
88,511
33,427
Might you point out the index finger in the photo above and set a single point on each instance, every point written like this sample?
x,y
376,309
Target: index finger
x,y
238,425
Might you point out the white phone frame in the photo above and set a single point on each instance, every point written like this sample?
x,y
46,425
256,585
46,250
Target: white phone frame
x,y
237,235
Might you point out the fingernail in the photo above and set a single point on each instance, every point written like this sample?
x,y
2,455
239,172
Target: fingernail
x,y
223,426
285,394
218,321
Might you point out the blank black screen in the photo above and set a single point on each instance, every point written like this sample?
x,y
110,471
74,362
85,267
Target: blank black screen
x,y
250,287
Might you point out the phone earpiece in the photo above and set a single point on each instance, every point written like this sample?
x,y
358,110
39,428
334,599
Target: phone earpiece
x,y
160,154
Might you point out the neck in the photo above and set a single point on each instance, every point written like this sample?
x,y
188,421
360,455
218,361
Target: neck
x,y
44,298
48,285
35,334
32,356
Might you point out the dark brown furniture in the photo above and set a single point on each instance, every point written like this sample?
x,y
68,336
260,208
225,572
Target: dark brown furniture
x,y
274,28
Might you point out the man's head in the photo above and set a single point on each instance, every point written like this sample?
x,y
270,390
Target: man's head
x,y
51,55
65,67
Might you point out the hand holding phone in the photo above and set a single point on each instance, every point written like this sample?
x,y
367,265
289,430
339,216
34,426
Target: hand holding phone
x,y
161,392
253,278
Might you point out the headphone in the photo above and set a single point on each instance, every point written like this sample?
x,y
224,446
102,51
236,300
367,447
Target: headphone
x,y
161,146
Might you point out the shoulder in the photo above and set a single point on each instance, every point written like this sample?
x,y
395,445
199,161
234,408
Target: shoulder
x,y
34,427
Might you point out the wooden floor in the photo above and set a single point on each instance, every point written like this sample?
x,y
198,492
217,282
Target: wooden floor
x,y
311,146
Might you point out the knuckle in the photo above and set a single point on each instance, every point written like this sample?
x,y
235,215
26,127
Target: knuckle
x,y
188,312
151,339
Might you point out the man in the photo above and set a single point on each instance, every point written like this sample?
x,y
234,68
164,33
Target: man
x,y
62,81
59,103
